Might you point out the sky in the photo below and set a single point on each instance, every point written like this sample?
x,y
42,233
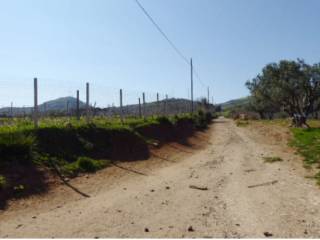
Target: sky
x,y
111,44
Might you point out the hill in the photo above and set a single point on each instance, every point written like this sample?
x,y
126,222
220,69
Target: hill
x,y
60,105
57,105
235,103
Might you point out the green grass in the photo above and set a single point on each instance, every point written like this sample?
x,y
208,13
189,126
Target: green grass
x,y
272,159
307,142
84,165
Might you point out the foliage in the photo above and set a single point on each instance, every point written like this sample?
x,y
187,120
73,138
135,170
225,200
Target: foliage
x,y
3,182
73,145
164,120
16,146
292,86
84,165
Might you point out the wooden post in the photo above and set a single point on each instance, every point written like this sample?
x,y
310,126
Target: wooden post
x,y
67,106
144,104
45,109
35,108
121,110
140,114
11,110
158,104
191,65
166,105
87,102
78,105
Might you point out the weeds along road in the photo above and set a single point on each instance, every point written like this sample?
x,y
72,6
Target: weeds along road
x,y
245,196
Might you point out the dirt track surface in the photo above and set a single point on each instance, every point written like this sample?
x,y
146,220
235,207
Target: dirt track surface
x,y
245,196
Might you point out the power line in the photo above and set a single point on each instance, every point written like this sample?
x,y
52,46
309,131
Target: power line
x,y
162,33
175,48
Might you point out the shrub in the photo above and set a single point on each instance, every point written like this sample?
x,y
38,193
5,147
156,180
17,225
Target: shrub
x,y
86,164
3,182
209,117
163,120
83,165
200,120
16,146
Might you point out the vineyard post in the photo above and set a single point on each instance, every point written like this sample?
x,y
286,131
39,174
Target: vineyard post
x,y
191,66
121,109
158,105
45,110
87,102
11,110
35,109
166,105
67,109
140,114
78,105
144,104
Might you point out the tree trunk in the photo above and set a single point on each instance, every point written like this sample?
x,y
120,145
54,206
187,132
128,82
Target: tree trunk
x,y
299,121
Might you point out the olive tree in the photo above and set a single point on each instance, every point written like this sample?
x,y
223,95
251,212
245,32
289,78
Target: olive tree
x,y
293,86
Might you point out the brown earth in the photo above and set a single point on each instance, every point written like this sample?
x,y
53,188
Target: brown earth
x,y
215,185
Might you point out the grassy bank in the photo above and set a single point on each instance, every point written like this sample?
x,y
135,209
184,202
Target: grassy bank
x,y
307,143
74,147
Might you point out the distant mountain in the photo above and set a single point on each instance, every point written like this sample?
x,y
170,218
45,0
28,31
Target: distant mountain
x,y
57,105
60,105
170,106
235,103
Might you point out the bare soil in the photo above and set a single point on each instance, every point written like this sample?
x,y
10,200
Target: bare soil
x,y
215,185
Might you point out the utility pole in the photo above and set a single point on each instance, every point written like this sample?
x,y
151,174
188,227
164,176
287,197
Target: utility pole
x,y
191,66
208,96
35,109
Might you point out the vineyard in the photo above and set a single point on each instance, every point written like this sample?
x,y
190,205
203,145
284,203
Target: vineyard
x,y
69,147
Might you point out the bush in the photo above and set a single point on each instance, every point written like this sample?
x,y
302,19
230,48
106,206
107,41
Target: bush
x,y
209,117
3,182
200,120
163,120
16,147
86,164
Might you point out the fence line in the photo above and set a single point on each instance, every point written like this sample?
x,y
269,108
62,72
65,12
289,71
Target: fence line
x,y
147,104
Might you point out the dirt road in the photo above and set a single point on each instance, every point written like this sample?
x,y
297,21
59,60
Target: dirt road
x,y
245,196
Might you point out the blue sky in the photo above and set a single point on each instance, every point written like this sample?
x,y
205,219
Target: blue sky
x,y
112,45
